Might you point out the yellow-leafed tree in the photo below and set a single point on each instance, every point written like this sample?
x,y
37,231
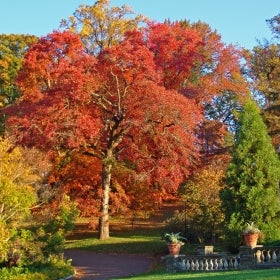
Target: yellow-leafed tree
x,y
101,26
17,195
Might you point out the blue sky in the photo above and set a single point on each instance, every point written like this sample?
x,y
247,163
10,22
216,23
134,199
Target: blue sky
x,y
239,22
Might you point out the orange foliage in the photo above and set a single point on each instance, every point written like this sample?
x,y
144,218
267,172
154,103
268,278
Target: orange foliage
x,y
79,177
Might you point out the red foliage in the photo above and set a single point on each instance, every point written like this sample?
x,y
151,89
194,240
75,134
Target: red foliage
x,y
176,50
78,176
124,106
194,61
55,81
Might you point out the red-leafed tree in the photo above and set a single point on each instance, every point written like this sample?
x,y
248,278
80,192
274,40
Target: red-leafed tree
x,y
112,107
137,104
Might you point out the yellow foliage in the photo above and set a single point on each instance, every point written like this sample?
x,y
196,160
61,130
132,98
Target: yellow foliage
x,y
16,193
202,195
100,25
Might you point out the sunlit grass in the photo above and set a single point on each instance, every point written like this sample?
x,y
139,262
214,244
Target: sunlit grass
x,y
268,274
129,242
143,239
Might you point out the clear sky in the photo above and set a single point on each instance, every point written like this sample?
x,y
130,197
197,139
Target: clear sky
x,y
239,22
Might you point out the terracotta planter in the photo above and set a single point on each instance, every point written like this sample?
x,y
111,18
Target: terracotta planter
x,y
174,248
251,239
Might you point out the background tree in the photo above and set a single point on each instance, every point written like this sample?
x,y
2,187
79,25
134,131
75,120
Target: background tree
x,y
12,50
201,195
252,178
101,26
265,70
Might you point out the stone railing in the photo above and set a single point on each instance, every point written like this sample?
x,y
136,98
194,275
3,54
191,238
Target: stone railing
x,y
248,258
267,256
183,263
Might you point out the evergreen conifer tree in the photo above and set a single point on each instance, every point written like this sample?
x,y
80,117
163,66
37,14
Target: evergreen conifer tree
x,y
252,178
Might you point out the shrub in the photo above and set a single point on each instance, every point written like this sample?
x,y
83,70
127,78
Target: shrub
x,y
52,234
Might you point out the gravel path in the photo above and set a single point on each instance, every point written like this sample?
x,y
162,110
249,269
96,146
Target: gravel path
x,y
89,265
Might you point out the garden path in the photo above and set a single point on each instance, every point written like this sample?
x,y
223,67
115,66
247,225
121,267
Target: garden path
x,y
91,266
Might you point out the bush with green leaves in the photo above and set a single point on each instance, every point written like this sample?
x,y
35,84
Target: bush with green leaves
x,y
52,234
53,268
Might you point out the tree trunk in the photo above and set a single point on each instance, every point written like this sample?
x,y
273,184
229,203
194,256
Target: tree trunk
x,y
115,137
104,232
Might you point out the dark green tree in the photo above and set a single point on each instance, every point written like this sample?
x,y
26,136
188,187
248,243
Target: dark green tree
x,y
252,178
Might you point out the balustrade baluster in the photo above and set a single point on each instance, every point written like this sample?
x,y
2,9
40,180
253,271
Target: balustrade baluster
x,y
192,265
230,263
268,257
211,265
274,257
262,256
206,265
196,264
188,265
201,265
216,265
258,255
221,264
235,265
225,264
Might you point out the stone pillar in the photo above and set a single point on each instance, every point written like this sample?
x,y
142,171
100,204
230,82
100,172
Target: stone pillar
x,y
247,260
205,250
174,263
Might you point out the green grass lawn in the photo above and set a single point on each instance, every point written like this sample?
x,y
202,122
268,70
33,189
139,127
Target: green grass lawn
x,y
268,274
123,242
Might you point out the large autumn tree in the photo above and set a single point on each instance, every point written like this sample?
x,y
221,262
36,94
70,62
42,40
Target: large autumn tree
x,y
213,79
112,107
138,103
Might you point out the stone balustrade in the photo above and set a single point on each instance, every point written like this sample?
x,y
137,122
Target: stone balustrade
x,y
183,263
267,256
248,258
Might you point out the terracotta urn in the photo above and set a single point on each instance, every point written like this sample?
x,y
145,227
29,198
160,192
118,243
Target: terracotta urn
x,y
174,248
251,239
